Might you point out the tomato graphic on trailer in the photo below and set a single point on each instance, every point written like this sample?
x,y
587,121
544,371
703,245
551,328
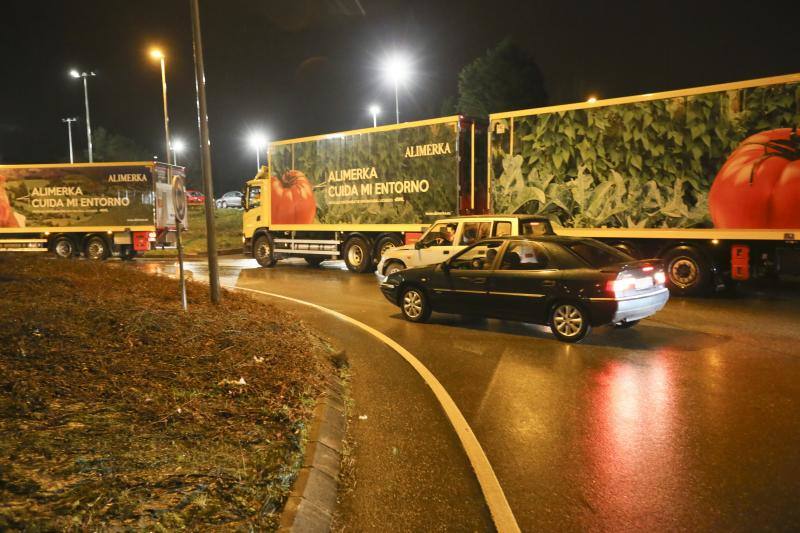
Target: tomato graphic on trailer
x,y
759,184
293,199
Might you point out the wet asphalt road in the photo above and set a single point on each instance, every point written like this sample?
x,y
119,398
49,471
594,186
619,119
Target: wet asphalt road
x,y
689,421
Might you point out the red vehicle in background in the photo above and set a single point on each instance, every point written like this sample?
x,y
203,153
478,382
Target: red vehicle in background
x,y
195,197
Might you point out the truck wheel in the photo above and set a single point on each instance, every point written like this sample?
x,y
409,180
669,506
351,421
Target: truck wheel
x,y
688,272
64,247
356,255
385,244
96,249
263,251
315,260
569,322
414,305
392,267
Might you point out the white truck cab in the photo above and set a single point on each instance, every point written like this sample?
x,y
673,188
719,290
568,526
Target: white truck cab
x,y
447,236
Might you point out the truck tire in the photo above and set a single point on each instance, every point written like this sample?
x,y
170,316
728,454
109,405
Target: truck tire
x,y
357,255
264,251
315,260
96,248
385,244
688,272
63,247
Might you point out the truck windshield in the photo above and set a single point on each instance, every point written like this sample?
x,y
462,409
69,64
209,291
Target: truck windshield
x,y
598,254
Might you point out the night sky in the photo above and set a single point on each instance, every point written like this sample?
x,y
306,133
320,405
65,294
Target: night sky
x,y
303,67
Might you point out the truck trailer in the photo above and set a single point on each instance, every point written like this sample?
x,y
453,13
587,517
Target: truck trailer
x,y
355,194
707,179
93,209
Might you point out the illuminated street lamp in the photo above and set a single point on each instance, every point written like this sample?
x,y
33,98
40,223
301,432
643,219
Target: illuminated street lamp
x,y
397,70
591,99
155,53
178,147
258,142
75,74
374,110
68,122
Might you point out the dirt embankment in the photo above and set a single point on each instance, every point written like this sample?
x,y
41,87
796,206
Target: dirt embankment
x,y
118,410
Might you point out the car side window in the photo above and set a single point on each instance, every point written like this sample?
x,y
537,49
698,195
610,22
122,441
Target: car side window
x,y
562,258
441,234
501,229
474,231
535,228
524,255
480,257
254,198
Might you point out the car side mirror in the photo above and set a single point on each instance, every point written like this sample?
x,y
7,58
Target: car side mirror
x,y
446,266
419,245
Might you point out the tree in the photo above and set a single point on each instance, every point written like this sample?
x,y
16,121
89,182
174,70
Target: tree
x,y
111,147
506,78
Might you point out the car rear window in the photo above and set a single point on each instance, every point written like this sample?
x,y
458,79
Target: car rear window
x,y
598,254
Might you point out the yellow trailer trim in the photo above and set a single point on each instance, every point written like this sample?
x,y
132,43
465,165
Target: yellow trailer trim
x,y
773,80
349,227
76,229
389,127
686,233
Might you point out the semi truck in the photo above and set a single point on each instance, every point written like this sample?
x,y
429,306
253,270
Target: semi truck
x,y
95,209
707,179
355,194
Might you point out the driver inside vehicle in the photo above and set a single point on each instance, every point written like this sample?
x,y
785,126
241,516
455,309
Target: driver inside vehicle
x,y
449,234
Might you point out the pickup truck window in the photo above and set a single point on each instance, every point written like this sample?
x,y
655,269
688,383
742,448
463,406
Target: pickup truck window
x,y
501,229
535,228
474,232
441,234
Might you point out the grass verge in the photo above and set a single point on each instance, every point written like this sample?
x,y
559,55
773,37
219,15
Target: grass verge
x,y
119,411
229,232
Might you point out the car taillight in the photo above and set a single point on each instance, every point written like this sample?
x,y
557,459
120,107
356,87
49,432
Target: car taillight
x,y
621,285
660,278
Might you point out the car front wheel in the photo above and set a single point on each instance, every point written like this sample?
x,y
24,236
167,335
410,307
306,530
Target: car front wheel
x,y
569,322
414,305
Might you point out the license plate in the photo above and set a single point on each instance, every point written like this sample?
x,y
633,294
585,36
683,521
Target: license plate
x,y
644,283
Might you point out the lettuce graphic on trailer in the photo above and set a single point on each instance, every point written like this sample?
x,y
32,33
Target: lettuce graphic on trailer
x,y
8,218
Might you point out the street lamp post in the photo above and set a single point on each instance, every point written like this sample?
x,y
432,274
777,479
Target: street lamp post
x,y
374,110
397,70
257,142
85,75
178,147
68,122
158,54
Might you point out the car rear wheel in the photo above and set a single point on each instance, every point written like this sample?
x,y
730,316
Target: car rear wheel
x,y
414,305
223,204
392,267
569,322
263,251
356,255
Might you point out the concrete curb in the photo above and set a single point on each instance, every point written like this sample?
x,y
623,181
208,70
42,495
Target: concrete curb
x,y
311,503
232,251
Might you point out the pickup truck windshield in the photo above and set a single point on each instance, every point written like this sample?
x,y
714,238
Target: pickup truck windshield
x,y
598,254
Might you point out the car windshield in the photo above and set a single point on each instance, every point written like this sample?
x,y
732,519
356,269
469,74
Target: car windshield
x,y
598,254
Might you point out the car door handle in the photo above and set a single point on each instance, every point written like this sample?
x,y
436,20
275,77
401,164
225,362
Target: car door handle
x,y
446,252
478,281
548,283
258,218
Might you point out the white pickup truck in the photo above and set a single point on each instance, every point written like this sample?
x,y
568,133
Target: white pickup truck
x,y
447,236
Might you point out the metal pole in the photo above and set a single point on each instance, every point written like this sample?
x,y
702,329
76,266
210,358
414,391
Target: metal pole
x,y
166,113
374,120
396,101
69,122
258,161
205,147
88,119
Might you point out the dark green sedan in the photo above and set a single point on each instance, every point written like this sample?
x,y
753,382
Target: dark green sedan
x,y
570,284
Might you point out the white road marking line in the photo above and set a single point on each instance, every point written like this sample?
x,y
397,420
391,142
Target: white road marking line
x,y
501,512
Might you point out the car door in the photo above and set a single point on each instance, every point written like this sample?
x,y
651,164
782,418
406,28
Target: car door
x,y
526,279
437,244
460,283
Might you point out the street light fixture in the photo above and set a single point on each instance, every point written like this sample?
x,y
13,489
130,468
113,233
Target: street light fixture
x,y
397,70
258,141
68,122
374,110
155,53
178,147
591,99
75,74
